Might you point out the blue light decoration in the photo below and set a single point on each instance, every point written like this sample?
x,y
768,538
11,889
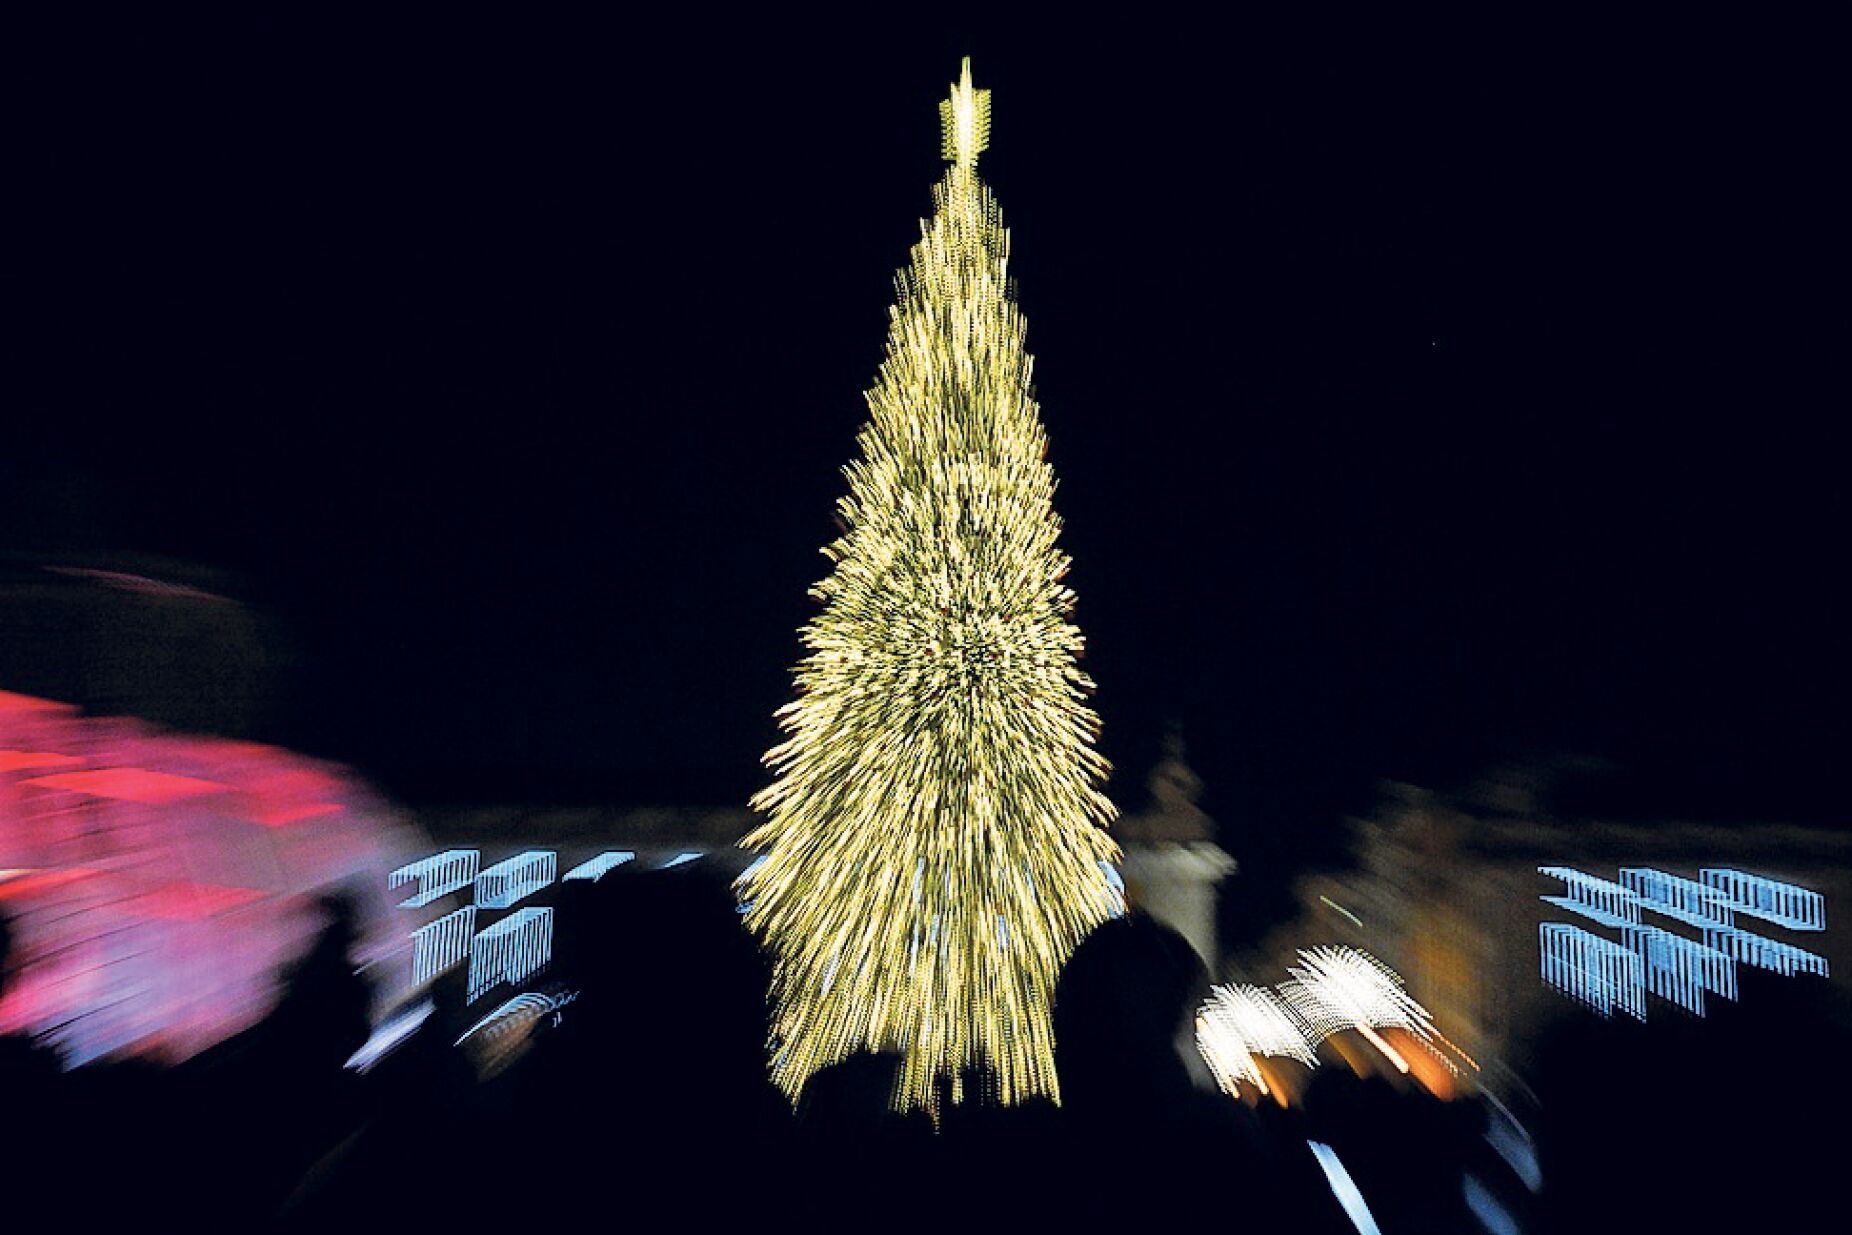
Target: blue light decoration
x,y
1115,889
1784,904
1681,970
682,859
511,950
1596,971
601,865
1608,903
1606,975
1484,1204
1684,900
745,906
515,879
501,1037
436,876
518,1013
442,945
1345,1189
392,1033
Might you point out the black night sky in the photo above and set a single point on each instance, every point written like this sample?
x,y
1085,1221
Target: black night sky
x,y
1417,399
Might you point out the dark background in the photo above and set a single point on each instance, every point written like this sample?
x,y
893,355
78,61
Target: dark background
x,y
1420,395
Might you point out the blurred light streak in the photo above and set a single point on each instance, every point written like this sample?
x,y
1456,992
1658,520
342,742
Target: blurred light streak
x,y
1510,1141
501,1037
1115,889
525,1007
392,1033
1485,1207
1355,920
1345,1189
160,884
23,760
600,866
128,785
1375,1039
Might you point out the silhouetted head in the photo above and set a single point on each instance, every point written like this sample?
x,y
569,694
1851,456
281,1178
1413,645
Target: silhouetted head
x,y
1120,1007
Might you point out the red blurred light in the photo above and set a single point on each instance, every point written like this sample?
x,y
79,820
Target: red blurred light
x,y
10,702
23,884
277,816
129,784
189,902
21,760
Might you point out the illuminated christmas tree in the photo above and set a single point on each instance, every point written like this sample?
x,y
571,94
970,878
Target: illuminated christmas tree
x,y
935,845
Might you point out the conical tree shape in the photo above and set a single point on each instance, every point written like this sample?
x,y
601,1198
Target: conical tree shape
x,y
935,838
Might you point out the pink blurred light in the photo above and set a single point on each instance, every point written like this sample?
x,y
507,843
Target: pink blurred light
x,y
129,785
158,884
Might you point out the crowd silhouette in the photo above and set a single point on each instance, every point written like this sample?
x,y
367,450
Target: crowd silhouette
x,y
647,1092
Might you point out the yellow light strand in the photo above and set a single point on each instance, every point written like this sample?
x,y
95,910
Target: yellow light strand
x,y
934,836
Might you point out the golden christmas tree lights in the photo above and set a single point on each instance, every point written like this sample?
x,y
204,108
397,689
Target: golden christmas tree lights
x,y
934,847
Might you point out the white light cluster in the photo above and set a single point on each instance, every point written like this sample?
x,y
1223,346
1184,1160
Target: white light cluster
x,y
1339,988
1331,990
1239,1023
1606,975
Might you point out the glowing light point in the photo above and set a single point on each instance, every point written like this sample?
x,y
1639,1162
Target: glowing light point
x,y
964,119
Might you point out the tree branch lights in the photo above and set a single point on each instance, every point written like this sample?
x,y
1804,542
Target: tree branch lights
x,y
934,840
